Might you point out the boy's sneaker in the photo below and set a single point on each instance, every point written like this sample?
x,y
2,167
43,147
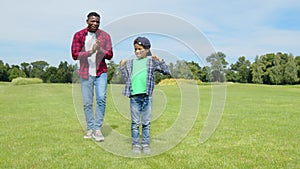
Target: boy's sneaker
x,y
88,134
146,148
98,136
136,148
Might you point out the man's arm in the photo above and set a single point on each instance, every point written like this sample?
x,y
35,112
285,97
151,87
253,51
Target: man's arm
x,y
106,47
77,48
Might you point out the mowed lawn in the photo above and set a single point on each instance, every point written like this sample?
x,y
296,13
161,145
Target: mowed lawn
x,y
260,128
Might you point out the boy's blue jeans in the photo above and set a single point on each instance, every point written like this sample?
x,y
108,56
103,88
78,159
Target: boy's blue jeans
x,y
94,122
140,107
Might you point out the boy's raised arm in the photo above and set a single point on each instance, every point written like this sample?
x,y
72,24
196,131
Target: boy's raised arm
x,y
123,69
161,66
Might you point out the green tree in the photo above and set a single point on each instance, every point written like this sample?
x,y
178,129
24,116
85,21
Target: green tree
x,y
242,70
62,73
50,76
3,72
26,68
284,58
205,74
276,71
195,69
75,76
231,76
267,60
171,67
218,65
15,72
65,72
274,67
38,68
297,61
159,77
181,70
257,71
112,75
290,71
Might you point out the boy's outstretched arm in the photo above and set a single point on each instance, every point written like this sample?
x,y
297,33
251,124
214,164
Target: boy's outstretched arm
x,y
123,69
161,66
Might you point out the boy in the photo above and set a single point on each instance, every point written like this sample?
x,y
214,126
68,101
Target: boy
x,y
139,75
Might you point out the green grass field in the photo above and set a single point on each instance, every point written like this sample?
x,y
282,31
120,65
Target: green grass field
x,y
41,128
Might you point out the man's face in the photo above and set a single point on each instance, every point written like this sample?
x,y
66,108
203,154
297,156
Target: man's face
x,y
93,23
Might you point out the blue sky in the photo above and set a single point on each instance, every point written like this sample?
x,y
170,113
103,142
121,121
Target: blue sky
x,y
42,30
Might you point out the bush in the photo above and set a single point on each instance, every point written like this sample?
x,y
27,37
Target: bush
x,y
25,81
173,81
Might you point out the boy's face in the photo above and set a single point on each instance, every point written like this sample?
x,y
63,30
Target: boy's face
x,y
140,51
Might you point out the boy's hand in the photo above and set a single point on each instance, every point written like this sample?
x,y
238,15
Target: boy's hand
x,y
123,62
156,58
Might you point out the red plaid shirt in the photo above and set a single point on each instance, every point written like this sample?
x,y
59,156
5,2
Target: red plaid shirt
x,y
79,52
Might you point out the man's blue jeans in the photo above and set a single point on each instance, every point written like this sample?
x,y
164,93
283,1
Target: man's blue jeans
x,y
140,106
88,86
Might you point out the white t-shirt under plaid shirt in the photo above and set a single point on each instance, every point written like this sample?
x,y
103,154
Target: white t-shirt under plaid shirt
x,y
90,40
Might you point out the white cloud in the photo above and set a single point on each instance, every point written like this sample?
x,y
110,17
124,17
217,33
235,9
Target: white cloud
x,y
234,27
259,42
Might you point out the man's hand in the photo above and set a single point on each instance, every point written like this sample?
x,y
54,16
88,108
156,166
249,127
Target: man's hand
x,y
97,44
96,47
91,52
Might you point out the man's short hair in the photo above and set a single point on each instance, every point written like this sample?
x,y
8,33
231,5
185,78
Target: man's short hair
x,y
93,14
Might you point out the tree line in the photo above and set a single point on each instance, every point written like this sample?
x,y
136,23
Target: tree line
x,y
38,69
271,68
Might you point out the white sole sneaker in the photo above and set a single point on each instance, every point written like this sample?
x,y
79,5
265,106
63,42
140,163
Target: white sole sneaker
x,y
88,134
98,136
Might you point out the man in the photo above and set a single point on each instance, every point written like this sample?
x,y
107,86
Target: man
x,y
91,46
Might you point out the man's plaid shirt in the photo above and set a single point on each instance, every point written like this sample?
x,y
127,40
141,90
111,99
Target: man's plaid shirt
x,y
152,66
79,52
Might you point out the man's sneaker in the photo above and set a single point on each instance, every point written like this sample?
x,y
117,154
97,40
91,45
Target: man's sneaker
x,y
98,135
146,148
136,148
88,134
